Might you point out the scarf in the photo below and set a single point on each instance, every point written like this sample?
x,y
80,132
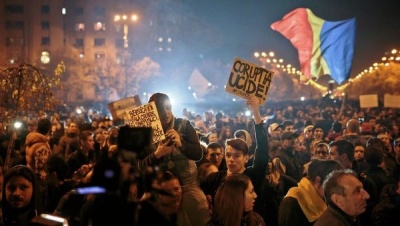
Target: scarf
x,y
310,201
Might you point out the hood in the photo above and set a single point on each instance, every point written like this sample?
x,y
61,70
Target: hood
x,y
35,137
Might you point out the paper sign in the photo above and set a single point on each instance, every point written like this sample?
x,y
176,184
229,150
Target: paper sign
x,y
146,116
248,79
391,101
368,101
118,108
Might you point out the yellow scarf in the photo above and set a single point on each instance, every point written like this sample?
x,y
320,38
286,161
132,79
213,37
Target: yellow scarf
x,y
310,201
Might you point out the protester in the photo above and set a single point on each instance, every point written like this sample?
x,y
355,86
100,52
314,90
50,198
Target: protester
x,y
19,196
38,148
346,199
304,204
234,202
179,157
237,155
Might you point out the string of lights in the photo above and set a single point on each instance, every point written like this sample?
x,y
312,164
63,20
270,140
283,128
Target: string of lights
x,y
269,59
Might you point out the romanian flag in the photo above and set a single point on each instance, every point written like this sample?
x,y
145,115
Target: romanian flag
x,y
324,47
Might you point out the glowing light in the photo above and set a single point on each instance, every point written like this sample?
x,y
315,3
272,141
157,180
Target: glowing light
x,y
247,113
17,125
256,54
302,98
263,54
271,54
394,51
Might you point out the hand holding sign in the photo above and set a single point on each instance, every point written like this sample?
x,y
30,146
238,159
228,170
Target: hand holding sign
x,y
248,79
253,103
175,137
163,149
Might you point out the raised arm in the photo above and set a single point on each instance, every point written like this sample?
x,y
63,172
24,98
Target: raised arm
x,y
261,155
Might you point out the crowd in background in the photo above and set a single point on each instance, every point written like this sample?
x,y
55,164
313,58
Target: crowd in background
x,y
271,156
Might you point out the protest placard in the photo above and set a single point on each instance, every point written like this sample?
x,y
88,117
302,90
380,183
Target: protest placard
x,y
248,79
118,108
391,101
368,101
146,116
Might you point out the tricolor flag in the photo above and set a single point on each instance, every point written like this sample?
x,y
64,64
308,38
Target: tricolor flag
x,y
324,47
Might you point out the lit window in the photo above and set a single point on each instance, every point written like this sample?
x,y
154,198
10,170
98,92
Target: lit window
x,y
99,26
45,58
80,27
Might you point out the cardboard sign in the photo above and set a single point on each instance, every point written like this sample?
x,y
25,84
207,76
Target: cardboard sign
x,y
391,101
368,101
118,108
146,116
248,79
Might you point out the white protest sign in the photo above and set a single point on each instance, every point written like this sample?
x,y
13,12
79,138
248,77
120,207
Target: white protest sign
x,y
248,79
118,108
391,101
368,101
146,116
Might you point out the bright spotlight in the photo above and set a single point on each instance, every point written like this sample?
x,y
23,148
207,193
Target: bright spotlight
x,y
302,98
17,125
247,113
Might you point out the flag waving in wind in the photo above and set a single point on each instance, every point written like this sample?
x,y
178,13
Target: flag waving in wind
x,y
324,47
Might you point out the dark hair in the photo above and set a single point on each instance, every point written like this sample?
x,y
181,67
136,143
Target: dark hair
x,y
9,213
337,127
163,176
344,147
373,155
238,144
286,123
214,145
85,134
322,167
43,126
159,99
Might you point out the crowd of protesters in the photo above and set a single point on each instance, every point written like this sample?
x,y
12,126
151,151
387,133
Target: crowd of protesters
x,y
297,164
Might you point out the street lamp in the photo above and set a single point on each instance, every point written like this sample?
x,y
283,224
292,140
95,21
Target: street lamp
x,y
125,20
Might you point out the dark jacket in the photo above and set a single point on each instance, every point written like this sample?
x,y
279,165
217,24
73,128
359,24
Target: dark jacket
x,y
387,211
19,216
333,216
256,172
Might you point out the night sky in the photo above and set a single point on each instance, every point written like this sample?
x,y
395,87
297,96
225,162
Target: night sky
x,y
245,26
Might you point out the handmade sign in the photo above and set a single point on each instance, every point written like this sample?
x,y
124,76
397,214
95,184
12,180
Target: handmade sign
x,y
146,116
248,79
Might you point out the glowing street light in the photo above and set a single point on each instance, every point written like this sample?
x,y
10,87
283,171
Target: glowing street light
x,y
124,19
